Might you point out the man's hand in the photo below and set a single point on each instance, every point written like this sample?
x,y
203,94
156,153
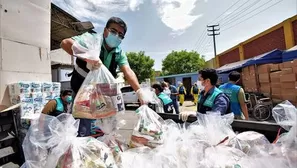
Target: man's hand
x,y
140,95
93,65
185,115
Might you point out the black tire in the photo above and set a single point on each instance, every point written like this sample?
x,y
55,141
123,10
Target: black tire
x,y
261,112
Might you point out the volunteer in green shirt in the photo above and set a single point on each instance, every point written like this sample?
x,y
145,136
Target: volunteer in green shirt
x,y
112,56
165,99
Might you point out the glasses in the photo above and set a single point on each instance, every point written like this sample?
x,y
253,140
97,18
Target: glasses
x,y
116,33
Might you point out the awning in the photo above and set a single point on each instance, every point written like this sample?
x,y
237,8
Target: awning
x,y
290,54
231,66
274,56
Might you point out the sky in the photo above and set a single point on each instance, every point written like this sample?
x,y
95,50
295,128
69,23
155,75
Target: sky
x,y
160,26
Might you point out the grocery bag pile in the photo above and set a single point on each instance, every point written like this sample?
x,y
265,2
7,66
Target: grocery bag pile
x,y
210,142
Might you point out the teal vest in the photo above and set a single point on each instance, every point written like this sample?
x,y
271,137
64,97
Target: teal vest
x,y
232,90
165,98
59,107
210,99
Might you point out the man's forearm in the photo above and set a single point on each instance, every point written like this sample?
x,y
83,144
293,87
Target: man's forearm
x,y
131,78
66,45
245,111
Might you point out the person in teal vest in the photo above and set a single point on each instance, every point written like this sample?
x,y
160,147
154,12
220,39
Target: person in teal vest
x,y
211,99
59,105
236,95
165,99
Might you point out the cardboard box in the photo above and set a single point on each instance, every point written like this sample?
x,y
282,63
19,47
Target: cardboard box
x,y
265,88
288,78
274,67
252,69
264,78
295,69
288,85
288,64
265,68
287,71
276,96
291,98
289,91
275,85
276,91
275,76
245,71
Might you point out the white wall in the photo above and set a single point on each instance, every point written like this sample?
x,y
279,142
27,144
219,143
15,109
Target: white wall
x,y
24,43
59,56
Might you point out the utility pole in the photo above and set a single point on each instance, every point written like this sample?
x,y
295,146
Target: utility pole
x,y
214,33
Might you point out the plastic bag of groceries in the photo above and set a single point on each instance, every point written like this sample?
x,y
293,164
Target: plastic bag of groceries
x,y
113,140
285,114
100,95
51,142
148,130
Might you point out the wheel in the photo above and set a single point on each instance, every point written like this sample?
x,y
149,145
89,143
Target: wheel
x,y
261,112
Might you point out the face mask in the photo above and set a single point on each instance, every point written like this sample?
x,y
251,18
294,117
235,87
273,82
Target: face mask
x,y
112,40
69,99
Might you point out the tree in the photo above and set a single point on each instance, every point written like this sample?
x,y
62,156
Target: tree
x,y
141,64
182,62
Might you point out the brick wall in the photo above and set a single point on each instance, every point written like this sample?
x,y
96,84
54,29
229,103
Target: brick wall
x,y
229,57
294,24
266,43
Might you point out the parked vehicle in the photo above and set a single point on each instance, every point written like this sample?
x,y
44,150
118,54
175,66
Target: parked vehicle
x,y
129,95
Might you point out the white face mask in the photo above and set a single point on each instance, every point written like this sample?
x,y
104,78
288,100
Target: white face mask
x,y
199,84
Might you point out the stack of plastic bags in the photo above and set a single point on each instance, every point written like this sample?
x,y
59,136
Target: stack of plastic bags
x,y
51,142
210,142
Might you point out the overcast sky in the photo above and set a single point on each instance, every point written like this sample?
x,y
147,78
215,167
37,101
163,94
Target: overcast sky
x,y
160,26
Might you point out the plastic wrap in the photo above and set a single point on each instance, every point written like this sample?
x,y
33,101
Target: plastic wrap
x,y
149,128
285,114
51,142
99,96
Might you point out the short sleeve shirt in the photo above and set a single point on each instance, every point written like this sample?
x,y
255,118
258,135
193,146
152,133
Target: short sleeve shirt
x,y
120,58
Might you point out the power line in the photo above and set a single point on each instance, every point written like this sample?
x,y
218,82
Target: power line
x,y
229,15
225,11
199,42
242,12
202,41
252,16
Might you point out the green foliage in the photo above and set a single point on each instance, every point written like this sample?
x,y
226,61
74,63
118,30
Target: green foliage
x,y
178,62
141,64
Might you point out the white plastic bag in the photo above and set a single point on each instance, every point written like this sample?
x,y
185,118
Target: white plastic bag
x,y
99,95
51,142
149,128
89,46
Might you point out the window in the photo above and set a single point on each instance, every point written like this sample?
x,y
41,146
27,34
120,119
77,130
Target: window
x,y
127,89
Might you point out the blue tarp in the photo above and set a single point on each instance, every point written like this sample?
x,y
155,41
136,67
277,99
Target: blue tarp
x,y
231,66
290,54
274,56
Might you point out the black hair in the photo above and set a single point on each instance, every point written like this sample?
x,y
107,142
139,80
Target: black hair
x,y
158,86
209,73
65,93
234,76
118,21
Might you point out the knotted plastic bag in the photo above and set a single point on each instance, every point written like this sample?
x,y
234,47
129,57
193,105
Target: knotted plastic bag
x,y
149,128
285,114
100,95
51,142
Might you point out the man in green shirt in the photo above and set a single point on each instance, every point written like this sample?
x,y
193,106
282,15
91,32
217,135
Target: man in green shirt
x,y
111,56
